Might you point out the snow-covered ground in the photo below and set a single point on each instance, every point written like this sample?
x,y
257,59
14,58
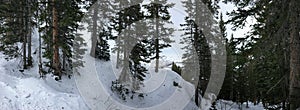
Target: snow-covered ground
x,y
26,91
159,91
91,89
229,105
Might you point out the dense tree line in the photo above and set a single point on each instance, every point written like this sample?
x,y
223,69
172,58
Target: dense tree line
x,y
57,27
263,66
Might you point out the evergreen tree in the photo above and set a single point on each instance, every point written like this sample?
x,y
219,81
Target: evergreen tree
x,y
102,49
138,55
176,68
275,22
125,41
199,27
98,21
159,12
119,25
16,27
65,23
197,48
134,45
55,57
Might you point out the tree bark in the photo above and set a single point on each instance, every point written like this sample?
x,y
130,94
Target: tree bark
x,y
29,61
25,33
156,39
125,75
118,52
40,57
56,62
294,88
94,30
41,73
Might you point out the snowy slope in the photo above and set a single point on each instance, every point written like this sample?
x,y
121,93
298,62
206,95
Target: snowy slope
x,y
159,91
26,91
91,90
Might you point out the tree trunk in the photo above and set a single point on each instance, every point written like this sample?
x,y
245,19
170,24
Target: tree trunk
x,y
64,61
41,73
294,93
40,57
56,62
94,31
25,33
29,61
118,52
156,39
125,75
119,43
197,93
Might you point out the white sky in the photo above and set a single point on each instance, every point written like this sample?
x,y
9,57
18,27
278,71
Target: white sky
x,y
224,8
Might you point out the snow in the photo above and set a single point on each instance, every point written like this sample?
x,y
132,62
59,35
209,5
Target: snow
x,y
91,89
160,93
229,105
28,92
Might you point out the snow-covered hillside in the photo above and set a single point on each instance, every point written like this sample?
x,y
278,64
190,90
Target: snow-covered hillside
x,y
26,91
165,90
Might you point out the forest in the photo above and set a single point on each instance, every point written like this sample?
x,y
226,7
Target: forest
x,y
261,67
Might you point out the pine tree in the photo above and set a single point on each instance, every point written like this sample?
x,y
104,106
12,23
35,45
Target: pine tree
x,y
100,14
119,26
275,22
94,29
102,49
159,12
138,55
134,46
199,22
196,49
176,68
11,28
55,58
122,23
17,28
65,23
